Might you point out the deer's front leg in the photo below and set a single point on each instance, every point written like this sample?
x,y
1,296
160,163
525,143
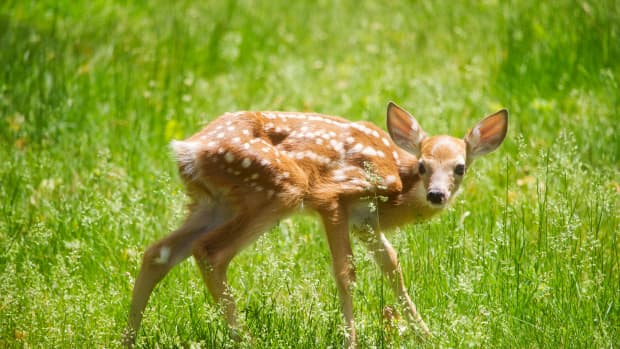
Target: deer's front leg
x,y
337,230
386,258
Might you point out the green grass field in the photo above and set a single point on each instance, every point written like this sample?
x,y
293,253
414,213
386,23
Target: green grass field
x,y
92,92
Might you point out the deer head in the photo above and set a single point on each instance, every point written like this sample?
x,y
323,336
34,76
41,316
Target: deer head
x,y
444,160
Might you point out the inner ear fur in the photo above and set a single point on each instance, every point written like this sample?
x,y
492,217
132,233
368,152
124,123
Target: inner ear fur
x,y
404,129
487,135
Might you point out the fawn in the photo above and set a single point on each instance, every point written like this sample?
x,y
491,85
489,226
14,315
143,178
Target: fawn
x,y
245,171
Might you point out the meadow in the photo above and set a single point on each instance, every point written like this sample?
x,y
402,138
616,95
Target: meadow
x,y
92,92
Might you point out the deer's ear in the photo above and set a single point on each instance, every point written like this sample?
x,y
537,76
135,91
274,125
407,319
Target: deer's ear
x,y
404,129
487,135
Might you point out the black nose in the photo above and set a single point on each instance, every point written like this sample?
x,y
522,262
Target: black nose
x,y
435,197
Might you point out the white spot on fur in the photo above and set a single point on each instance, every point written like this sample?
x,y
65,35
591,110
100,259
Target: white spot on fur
x,y
336,145
164,255
246,132
246,163
229,157
385,141
390,180
357,148
369,151
362,128
265,162
359,183
350,140
339,175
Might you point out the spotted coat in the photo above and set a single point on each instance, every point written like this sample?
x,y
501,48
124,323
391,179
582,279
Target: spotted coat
x,y
295,157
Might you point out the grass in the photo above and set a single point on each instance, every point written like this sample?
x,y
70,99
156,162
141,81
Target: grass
x,y
92,92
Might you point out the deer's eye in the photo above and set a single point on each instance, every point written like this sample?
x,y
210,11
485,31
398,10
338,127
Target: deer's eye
x,y
459,170
421,168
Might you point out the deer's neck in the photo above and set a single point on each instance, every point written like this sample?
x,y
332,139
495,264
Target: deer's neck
x,y
407,206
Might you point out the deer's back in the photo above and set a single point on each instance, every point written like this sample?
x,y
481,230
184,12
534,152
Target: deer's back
x,y
291,157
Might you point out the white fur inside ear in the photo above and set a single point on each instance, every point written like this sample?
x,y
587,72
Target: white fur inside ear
x,y
404,129
474,137
473,143
419,137
487,135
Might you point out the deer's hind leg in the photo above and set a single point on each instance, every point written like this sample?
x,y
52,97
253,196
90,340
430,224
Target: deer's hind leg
x,y
163,255
214,251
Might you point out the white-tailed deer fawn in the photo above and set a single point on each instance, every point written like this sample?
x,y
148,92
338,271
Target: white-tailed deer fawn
x,y
244,171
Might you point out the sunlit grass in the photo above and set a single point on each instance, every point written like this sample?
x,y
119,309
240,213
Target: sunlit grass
x,y
92,92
